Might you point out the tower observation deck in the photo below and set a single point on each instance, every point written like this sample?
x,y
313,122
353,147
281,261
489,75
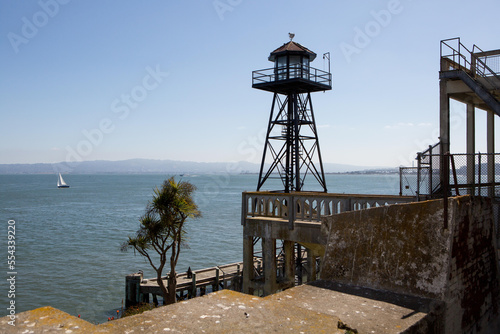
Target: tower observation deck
x,y
292,77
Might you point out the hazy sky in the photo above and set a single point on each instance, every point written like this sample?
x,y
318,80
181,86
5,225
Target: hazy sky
x,y
120,79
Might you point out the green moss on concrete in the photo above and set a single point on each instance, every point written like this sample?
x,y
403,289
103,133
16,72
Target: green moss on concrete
x,y
308,309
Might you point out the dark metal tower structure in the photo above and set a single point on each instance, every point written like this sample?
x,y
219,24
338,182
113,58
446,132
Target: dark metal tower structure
x,y
292,138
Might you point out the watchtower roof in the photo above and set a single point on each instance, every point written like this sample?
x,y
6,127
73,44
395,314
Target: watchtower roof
x,y
291,48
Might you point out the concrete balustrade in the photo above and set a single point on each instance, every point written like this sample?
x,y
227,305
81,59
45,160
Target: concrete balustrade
x,y
310,206
295,218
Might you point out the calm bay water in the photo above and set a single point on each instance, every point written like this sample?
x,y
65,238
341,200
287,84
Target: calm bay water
x,y
68,240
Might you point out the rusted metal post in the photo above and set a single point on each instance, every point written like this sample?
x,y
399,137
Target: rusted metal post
x,y
430,170
419,167
445,183
455,181
480,172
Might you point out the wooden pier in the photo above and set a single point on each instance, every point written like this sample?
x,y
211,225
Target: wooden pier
x,y
197,283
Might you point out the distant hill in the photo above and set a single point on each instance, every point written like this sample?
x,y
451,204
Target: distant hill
x,y
141,166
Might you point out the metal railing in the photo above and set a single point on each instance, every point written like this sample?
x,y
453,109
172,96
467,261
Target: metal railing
x,y
454,53
485,65
295,71
491,64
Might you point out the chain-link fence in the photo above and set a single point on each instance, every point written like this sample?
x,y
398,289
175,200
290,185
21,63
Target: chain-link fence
x,y
474,174
425,178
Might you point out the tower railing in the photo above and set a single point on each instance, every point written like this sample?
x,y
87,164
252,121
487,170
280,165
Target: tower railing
x,y
295,71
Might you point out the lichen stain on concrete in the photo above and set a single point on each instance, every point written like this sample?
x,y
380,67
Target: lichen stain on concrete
x,y
47,319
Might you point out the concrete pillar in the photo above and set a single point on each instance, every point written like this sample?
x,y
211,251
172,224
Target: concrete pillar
x,y
289,262
133,289
311,266
248,272
471,146
269,259
298,264
444,116
444,133
215,287
490,147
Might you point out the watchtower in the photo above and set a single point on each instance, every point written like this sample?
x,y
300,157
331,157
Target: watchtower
x,y
292,138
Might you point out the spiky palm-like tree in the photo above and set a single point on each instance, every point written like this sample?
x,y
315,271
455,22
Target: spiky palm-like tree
x,y
162,230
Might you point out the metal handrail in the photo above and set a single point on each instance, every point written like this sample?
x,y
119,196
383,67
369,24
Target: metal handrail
x,y
297,71
456,54
483,74
429,151
486,55
471,65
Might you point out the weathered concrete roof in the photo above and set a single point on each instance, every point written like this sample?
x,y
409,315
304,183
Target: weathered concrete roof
x,y
308,308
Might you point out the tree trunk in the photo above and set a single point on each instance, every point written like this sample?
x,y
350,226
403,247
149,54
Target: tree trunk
x,y
162,286
172,276
172,285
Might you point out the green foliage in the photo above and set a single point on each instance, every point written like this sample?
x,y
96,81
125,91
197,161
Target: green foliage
x,y
162,227
137,309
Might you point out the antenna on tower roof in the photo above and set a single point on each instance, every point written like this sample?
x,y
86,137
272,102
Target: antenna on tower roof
x,y
291,35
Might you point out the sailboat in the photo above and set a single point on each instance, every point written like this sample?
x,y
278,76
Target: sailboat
x,y
61,183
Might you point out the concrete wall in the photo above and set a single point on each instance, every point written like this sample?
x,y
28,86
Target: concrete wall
x,y
473,281
407,249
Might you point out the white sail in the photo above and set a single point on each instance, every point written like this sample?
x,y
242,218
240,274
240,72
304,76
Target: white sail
x,y
61,183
